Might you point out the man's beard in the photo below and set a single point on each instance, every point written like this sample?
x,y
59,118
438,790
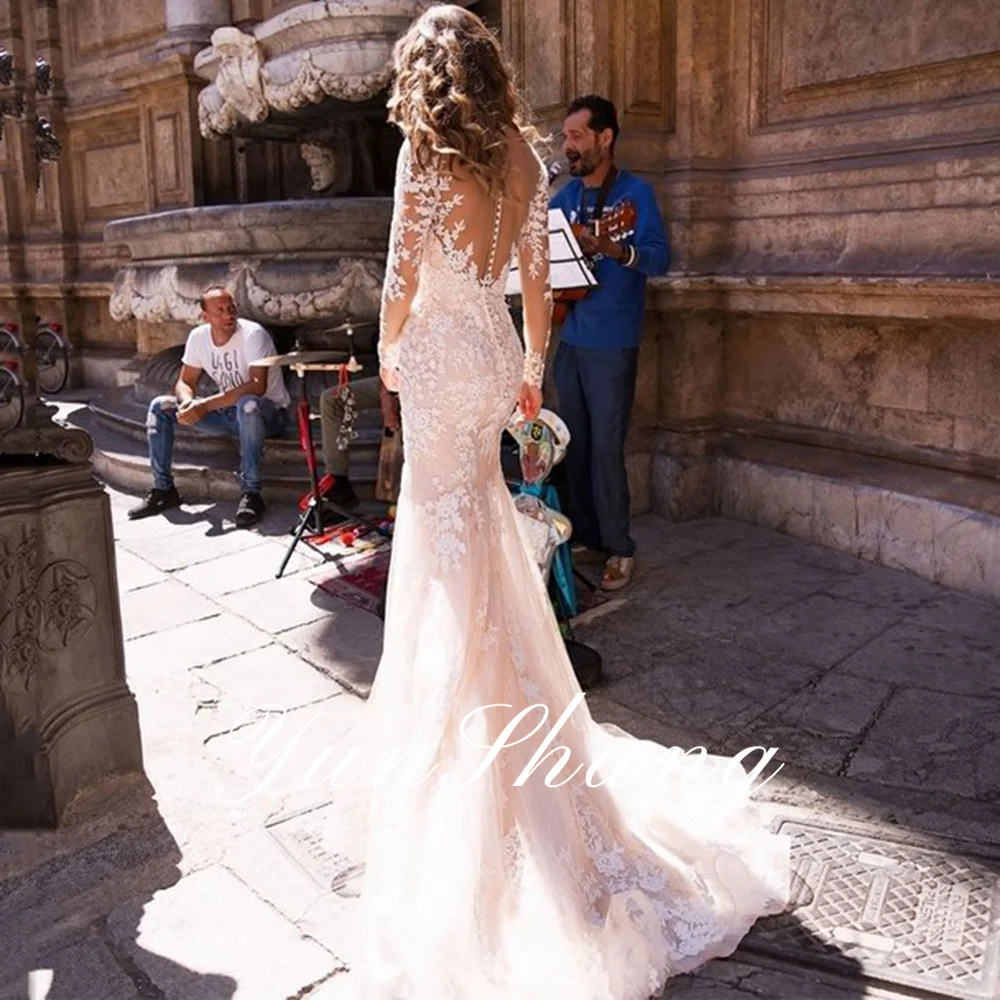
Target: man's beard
x,y
584,165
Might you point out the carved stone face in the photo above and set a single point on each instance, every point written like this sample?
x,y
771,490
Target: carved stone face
x,y
322,164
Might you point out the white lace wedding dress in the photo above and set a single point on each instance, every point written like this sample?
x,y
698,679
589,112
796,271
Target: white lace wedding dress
x,y
482,889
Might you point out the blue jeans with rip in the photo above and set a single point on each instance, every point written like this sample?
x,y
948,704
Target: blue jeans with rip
x,y
252,420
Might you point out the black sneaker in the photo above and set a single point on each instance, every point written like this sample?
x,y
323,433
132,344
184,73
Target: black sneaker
x,y
156,502
250,510
342,493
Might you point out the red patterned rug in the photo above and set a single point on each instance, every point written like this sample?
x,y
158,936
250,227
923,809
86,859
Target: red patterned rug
x,y
359,576
355,575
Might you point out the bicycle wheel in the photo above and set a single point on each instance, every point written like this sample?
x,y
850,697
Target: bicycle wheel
x,y
11,400
51,362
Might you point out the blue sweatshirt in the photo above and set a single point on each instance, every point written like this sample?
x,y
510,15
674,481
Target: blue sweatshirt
x,y
611,316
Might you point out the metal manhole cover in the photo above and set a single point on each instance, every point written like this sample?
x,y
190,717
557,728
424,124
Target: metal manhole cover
x,y
303,838
906,915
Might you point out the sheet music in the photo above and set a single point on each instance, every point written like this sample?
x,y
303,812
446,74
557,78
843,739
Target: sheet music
x,y
568,266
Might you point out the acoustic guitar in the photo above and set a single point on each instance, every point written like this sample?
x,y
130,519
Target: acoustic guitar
x,y
617,224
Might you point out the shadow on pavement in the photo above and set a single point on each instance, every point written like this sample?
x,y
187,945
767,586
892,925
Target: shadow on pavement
x,y
72,902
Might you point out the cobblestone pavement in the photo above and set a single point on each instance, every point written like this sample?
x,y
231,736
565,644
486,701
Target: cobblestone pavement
x,y
209,882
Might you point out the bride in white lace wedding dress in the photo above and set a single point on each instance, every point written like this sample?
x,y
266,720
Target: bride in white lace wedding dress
x,y
480,884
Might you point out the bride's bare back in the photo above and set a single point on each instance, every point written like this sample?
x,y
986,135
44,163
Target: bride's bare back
x,y
450,234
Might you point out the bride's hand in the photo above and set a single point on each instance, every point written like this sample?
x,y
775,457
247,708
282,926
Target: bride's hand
x,y
390,379
529,400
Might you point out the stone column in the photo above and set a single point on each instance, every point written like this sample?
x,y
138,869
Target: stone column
x,y
193,21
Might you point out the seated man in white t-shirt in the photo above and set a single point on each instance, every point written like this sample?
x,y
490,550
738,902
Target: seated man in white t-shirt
x,y
252,403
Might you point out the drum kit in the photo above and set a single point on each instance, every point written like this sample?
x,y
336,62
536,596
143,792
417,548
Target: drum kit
x,y
302,362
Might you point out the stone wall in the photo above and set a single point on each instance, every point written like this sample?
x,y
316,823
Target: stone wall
x,y
123,108
829,172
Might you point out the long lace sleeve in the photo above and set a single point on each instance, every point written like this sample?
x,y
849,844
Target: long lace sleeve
x,y
536,290
416,198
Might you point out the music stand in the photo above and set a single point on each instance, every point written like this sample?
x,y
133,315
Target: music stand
x,y
568,267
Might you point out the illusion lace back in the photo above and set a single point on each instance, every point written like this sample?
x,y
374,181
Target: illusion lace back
x,y
481,886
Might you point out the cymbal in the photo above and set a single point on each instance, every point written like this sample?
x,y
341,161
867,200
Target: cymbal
x,y
299,358
360,325
327,366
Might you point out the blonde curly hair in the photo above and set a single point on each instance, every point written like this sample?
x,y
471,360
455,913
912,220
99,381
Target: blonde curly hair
x,y
454,95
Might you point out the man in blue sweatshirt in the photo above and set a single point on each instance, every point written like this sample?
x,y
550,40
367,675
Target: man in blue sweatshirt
x,y
595,364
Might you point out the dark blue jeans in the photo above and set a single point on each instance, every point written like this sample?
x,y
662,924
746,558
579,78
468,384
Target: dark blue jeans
x,y
252,419
596,391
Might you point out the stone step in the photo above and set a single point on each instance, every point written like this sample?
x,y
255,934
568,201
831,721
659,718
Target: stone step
x,y
123,461
939,524
121,413
105,367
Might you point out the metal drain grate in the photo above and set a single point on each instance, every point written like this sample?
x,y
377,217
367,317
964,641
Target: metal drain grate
x,y
888,911
303,839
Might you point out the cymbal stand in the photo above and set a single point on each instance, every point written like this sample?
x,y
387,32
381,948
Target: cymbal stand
x,y
312,516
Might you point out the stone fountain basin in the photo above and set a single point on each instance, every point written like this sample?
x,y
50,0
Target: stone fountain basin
x,y
286,263
339,50
365,32
349,225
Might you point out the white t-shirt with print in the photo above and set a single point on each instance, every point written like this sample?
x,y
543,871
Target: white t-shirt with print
x,y
229,366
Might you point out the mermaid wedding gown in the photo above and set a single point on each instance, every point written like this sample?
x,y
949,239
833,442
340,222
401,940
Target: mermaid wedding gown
x,y
483,883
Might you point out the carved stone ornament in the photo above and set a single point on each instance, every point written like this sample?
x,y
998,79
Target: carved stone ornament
x,y
352,287
322,163
47,146
43,77
339,49
40,610
311,84
153,296
6,68
238,91
159,294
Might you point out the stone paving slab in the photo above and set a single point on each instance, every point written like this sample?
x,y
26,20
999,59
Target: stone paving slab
x,y
134,572
263,680
161,606
736,979
818,673
191,545
210,937
953,612
721,685
193,645
820,629
240,570
910,654
346,645
892,588
953,745
280,605
818,726
287,758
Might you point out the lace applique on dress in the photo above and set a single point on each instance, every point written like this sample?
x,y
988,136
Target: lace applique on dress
x,y
468,624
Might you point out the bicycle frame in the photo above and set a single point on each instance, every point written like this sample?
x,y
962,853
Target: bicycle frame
x,y
11,344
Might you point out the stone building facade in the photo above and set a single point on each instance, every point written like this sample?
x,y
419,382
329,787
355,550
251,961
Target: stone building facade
x,y
823,357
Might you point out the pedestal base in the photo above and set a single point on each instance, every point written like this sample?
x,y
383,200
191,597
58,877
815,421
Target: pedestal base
x,y
67,717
